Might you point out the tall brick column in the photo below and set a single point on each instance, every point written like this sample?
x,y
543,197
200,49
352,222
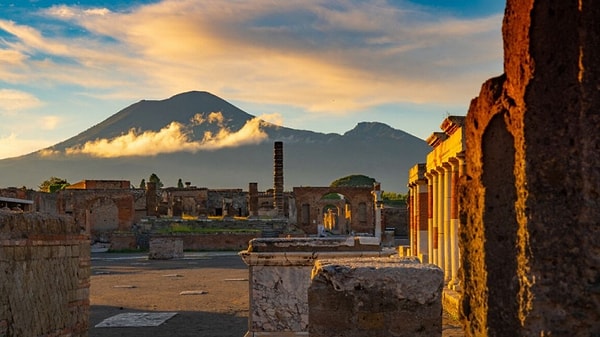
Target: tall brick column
x,y
278,177
531,195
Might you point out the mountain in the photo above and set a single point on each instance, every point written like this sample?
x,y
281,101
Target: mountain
x,y
201,138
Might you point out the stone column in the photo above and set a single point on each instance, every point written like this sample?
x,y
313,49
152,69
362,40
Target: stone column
x,y
421,225
454,223
429,218
253,199
440,200
436,215
411,216
447,210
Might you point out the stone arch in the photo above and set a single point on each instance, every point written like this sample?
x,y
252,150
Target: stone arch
x,y
309,201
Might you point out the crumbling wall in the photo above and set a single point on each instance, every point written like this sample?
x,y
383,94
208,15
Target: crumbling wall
x,y
530,199
44,276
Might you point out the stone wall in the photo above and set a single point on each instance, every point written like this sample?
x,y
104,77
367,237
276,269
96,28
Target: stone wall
x,y
44,276
531,199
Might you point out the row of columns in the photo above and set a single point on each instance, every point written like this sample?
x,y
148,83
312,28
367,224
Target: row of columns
x,y
433,214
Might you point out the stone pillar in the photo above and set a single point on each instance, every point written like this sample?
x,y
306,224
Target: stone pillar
x,y
151,199
44,275
253,199
429,218
436,215
279,276
530,198
411,215
381,297
447,199
454,223
421,225
440,202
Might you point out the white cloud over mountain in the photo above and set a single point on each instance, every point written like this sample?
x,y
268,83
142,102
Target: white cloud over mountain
x,y
174,137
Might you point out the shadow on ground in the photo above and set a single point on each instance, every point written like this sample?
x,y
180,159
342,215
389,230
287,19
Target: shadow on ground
x,y
183,324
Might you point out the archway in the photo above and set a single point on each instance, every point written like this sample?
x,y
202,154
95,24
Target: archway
x,y
335,213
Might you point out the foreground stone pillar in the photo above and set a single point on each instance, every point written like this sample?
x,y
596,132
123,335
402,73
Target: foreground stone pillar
x,y
280,276
378,297
531,200
44,276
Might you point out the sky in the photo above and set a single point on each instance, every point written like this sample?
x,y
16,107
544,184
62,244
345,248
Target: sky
x,y
322,65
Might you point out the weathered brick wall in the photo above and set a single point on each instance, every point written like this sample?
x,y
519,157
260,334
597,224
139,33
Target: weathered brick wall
x,y
44,276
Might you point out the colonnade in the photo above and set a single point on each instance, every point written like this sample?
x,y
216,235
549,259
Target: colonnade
x,y
433,201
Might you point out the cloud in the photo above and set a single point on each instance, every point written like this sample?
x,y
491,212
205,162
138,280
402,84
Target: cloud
x,y
14,100
174,137
13,146
273,118
50,122
323,56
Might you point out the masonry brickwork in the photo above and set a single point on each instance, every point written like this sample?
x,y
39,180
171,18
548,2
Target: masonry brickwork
x,y
44,276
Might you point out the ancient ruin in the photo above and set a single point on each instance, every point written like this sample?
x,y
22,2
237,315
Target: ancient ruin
x,y
530,202
44,275
359,297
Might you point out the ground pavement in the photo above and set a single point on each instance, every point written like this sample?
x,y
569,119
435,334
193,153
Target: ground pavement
x,y
204,294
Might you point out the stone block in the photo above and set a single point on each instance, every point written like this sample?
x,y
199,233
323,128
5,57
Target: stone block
x,y
375,297
165,249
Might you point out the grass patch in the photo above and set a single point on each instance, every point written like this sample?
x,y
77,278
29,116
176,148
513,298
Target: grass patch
x,y
184,229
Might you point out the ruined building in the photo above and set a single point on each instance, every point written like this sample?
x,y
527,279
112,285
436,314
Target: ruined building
x,y
433,200
528,203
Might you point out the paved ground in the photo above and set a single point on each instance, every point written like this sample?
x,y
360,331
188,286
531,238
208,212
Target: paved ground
x,y
217,306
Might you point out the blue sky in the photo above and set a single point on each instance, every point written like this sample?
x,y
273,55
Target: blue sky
x,y
317,65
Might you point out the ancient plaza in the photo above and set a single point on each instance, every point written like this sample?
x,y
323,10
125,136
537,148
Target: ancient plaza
x,y
503,219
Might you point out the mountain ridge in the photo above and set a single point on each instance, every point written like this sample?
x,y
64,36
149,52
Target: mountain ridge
x,y
310,158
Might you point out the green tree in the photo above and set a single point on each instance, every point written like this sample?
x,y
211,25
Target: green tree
x,y
179,183
155,179
394,199
355,180
53,184
143,184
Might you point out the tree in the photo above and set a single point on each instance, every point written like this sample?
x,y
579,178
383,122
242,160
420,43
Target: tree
x,y
53,184
179,183
356,180
394,199
155,179
143,184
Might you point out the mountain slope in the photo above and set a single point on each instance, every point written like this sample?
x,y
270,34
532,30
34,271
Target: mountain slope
x,y
310,158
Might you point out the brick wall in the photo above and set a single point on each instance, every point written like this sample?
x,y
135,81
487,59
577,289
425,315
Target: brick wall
x,y
44,276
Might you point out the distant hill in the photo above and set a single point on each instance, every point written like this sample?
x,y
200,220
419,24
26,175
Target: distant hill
x,y
201,138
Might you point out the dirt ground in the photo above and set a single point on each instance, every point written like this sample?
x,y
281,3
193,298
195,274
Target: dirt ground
x,y
132,283
129,283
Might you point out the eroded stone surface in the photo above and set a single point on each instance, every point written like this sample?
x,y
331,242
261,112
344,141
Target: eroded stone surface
x,y
311,244
530,201
165,249
375,297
